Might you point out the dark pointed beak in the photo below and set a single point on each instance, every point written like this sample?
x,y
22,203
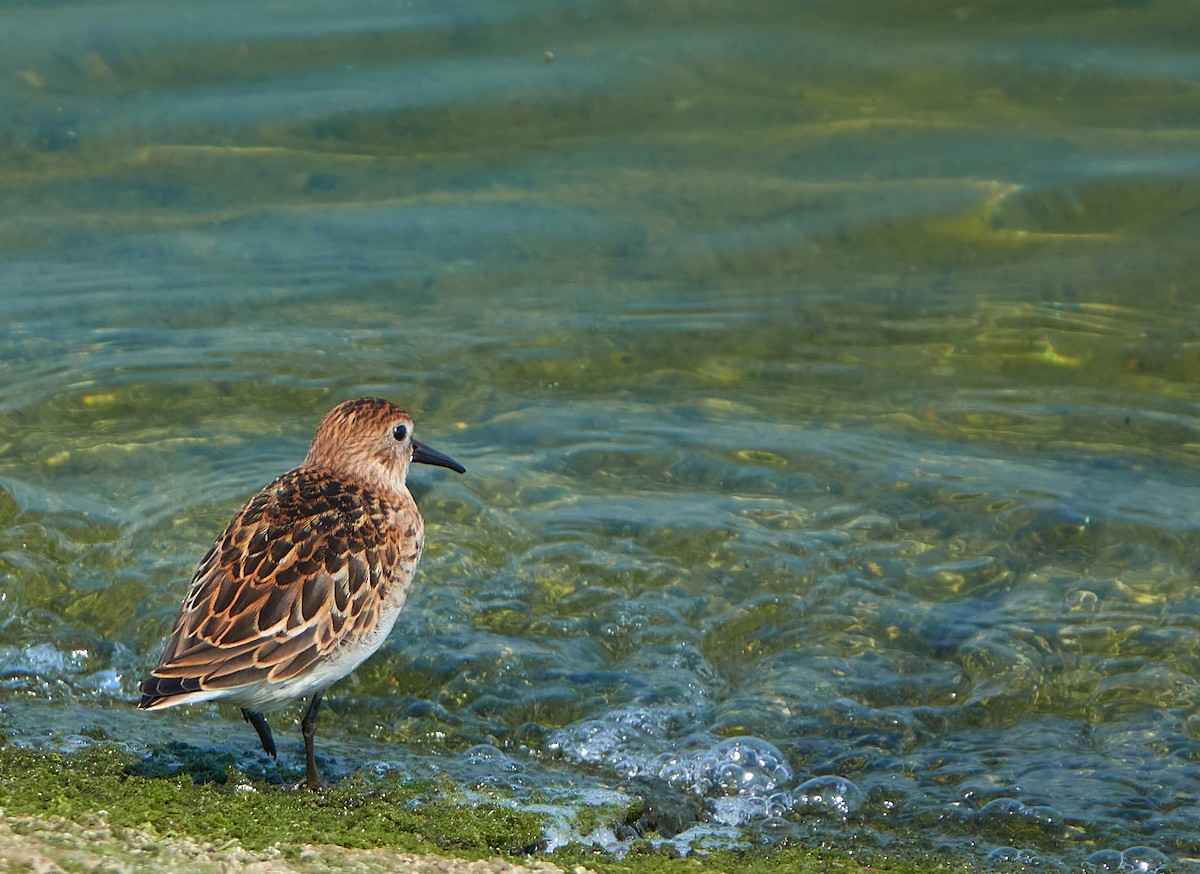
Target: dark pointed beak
x,y
425,455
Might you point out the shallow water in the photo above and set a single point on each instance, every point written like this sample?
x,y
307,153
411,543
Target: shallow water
x,y
826,375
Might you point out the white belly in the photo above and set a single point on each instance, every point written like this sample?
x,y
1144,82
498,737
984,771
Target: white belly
x,y
266,695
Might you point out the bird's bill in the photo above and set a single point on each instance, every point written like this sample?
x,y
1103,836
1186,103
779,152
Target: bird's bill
x,y
425,455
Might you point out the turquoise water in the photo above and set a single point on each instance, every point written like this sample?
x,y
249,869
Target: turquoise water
x,y
826,375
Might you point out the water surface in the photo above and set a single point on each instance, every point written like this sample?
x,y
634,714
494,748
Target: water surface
x,y
826,374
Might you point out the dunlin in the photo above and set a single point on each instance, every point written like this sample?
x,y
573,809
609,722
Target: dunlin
x,y
307,580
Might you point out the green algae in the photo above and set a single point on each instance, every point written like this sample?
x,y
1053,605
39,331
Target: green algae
x,y
356,813
800,860
106,800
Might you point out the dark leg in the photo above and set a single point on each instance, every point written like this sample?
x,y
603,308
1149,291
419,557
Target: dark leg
x,y
264,731
308,727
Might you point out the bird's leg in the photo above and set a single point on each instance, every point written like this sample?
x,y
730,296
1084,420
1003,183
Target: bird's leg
x,y
256,719
308,727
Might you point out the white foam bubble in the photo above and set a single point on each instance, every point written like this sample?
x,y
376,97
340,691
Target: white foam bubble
x,y
1001,809
107,682
1008,856
622,740
1145,859
830,793
493,759
40,660
1106,860
746,767
750,766
735,810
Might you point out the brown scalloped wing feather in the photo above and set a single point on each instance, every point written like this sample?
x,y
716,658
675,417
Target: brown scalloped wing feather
x,y
302,567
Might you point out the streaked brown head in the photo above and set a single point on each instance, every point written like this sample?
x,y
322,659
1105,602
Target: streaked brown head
x,y
371,440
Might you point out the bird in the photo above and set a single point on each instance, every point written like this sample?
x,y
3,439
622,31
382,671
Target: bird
x,y
306,581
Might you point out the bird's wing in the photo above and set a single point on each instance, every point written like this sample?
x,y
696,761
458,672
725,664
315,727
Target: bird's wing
x,y
277,592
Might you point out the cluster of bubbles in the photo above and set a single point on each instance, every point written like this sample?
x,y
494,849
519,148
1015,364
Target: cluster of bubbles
x,y
50,672
1011,813
1012,857
620,741
747,778
1135,860
742,779
1004,810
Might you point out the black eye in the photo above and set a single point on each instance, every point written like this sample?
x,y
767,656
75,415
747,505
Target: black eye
x,y
399,433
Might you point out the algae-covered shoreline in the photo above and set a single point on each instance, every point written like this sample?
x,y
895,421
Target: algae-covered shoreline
x,y
90,811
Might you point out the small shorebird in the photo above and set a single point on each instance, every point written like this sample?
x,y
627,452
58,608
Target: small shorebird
x,y
307,580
